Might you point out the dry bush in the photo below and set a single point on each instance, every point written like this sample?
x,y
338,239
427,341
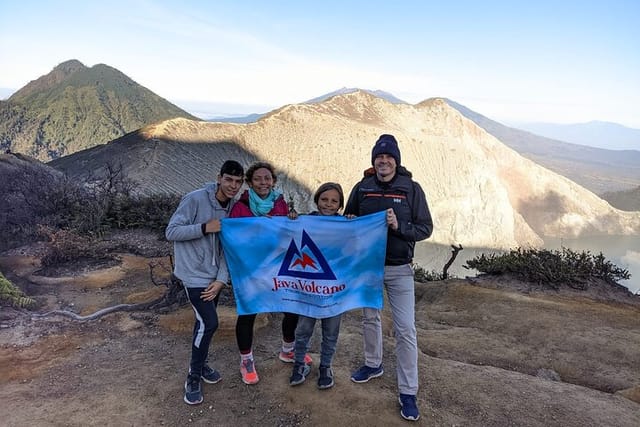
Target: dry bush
x,y
33,194
66,245
151,212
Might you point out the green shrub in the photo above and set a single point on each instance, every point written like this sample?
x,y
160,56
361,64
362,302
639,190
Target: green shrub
x,y
422,275
11,294
550,267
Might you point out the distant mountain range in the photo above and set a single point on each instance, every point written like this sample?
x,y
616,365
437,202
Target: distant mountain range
x,y
345,90
610,136
597,169
75,107
250,118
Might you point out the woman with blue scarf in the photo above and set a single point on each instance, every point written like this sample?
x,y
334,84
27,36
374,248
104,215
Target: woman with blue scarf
x,y
262,200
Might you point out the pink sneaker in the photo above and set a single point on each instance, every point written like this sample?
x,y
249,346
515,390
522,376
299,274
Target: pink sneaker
x,y
248,372
289,357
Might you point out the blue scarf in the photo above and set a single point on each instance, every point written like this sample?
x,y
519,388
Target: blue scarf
x,y
260,206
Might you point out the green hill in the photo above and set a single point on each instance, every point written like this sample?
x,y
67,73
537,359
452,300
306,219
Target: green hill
x,y
75,107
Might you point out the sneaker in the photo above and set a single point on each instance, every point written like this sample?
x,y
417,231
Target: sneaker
x,y
409,407
290,357
210,375
300,372
325,379
193,390
365,373
248,372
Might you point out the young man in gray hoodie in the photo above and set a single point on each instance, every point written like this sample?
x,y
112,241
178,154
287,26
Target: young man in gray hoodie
x,y
200,265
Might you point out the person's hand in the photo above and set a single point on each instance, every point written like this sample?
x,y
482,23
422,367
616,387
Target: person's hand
x,y
213,226
392,220
212,291
292,214
350,216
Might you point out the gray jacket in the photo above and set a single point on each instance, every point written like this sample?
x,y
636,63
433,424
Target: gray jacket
x,y
199,259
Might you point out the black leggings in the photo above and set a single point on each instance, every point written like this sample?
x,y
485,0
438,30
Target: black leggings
x,y
244,330
205,325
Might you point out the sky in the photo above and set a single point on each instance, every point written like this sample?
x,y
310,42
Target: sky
x,y
512,61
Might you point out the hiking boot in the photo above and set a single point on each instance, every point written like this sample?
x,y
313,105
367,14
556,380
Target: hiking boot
x,y
248,372
193,390
365,373
325,379
210,375
409,407
300,372
290,357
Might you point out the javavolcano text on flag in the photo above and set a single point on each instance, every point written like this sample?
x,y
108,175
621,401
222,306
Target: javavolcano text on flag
x,y
317,266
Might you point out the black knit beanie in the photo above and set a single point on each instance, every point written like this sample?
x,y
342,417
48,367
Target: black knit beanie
x,y
386,144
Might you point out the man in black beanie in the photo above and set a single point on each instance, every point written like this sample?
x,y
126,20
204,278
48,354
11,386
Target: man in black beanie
x,y
386,144
388,187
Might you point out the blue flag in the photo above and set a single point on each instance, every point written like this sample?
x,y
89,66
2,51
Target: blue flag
x,y
317,266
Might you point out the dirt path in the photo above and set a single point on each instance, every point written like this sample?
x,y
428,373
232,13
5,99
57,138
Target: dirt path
x,y
479,352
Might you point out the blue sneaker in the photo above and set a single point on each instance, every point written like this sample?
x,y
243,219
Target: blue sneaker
x,y
193,390
325,379
365,373
409,407
210,375
299,374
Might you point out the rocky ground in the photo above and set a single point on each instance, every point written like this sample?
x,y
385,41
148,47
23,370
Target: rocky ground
x,y
493,352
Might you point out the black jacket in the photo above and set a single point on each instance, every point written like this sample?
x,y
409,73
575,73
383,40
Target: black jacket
x,y
409,203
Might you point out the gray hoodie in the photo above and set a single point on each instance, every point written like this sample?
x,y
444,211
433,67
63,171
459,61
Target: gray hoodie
x,y
199,259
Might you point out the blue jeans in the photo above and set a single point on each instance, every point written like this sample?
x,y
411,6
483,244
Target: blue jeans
x,y
399,283
330,331
203,329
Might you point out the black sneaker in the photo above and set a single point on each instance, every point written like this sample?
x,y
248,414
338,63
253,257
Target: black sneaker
x,y
193,390
325,380
299,374
409,407
365,373
210,375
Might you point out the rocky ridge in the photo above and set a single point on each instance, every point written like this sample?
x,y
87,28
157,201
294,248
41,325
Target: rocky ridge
x,y
481,192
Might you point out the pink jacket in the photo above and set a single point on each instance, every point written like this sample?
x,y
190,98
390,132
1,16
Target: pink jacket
x,y
241,208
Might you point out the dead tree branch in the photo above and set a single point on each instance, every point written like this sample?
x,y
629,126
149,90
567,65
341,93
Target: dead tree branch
x,y
454,254
173,298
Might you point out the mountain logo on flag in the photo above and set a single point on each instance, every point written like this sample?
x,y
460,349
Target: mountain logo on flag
x,y
306,262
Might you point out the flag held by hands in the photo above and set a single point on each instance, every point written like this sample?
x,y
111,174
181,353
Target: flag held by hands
x,y
317,266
